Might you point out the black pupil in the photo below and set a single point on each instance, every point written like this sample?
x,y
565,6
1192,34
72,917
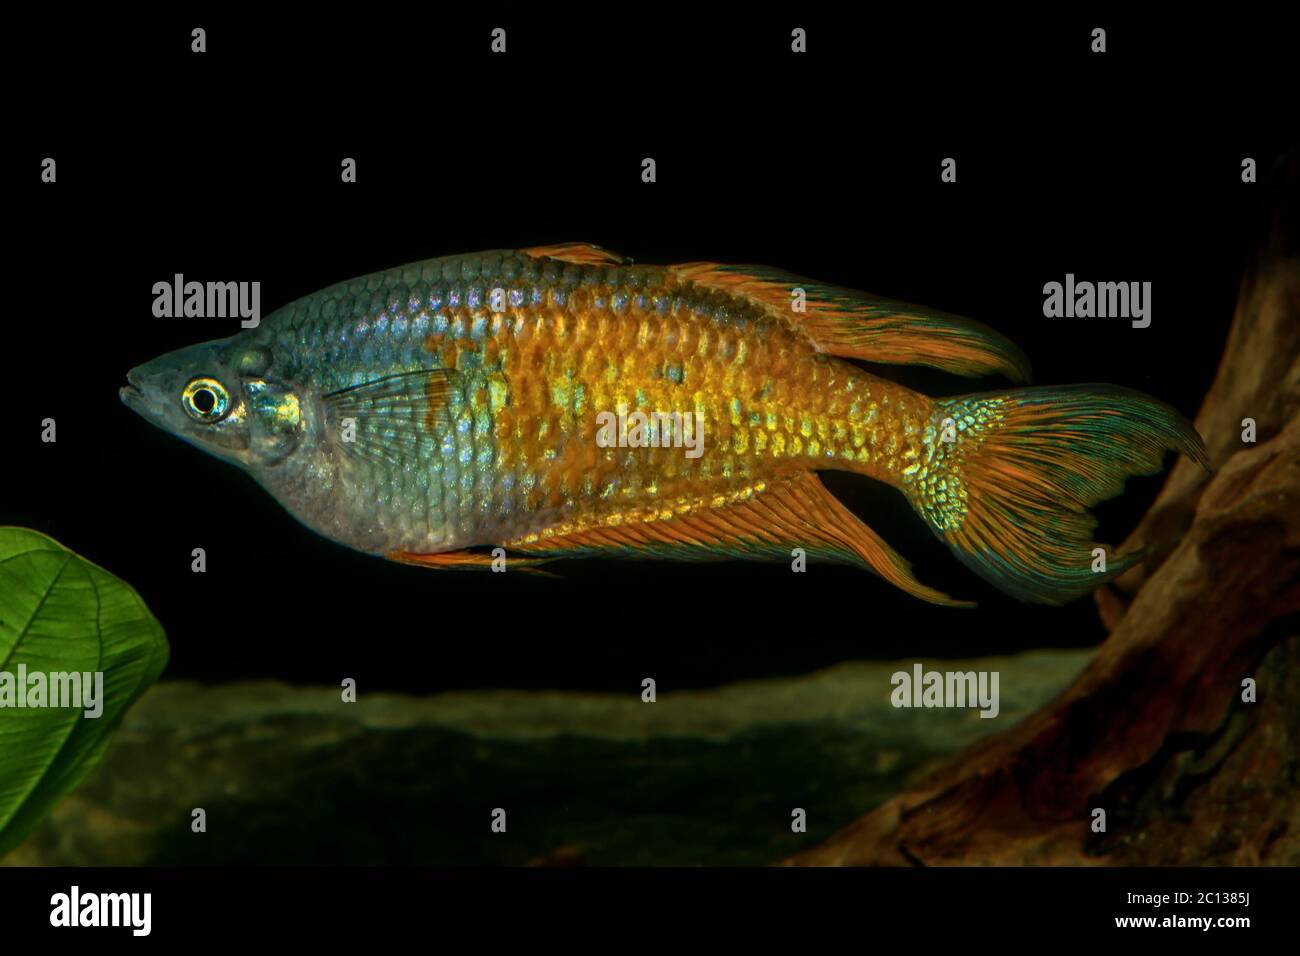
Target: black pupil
x,y
204,400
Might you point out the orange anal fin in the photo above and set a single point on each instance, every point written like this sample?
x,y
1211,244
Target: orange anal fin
x,y
578,253
853,324
468,561
768,520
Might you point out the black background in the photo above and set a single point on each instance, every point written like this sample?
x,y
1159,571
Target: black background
x,y
778,909
225,166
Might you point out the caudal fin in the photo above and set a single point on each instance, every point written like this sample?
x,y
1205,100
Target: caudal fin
x,y
1010,476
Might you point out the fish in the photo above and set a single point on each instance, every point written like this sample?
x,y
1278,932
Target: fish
x,y
511,408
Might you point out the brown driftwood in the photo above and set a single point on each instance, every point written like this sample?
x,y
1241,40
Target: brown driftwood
x,y
1155,731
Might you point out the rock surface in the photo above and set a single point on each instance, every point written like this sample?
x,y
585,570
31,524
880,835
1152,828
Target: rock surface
x,y
293,775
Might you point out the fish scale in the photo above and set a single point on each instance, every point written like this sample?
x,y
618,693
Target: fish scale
x,y
582,339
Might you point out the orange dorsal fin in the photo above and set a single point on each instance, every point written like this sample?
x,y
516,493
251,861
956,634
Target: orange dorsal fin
x,y
766,520
578,253
856,325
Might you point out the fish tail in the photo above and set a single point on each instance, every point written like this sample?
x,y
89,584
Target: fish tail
x,y
1010,475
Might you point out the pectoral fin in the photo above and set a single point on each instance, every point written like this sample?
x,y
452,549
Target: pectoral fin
x,y
383,419
764,521
856,325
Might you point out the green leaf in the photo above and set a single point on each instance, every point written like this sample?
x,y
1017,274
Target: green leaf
x,y
61,614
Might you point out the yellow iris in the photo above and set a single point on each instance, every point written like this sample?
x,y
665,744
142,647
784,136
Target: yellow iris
x,y
205,400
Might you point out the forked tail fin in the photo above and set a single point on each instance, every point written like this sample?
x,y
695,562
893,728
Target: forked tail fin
x,y
1010,477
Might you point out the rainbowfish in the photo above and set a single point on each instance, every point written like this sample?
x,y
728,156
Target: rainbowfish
x,y
561,401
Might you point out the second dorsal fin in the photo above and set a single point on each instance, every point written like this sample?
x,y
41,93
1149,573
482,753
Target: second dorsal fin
x,y
857,325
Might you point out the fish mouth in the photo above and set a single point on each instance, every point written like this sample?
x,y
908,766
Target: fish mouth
x,y
131,394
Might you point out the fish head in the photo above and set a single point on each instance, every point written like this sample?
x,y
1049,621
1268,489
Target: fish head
x,y
224,397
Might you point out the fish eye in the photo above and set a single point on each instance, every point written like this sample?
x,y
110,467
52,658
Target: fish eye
x,y
205,400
